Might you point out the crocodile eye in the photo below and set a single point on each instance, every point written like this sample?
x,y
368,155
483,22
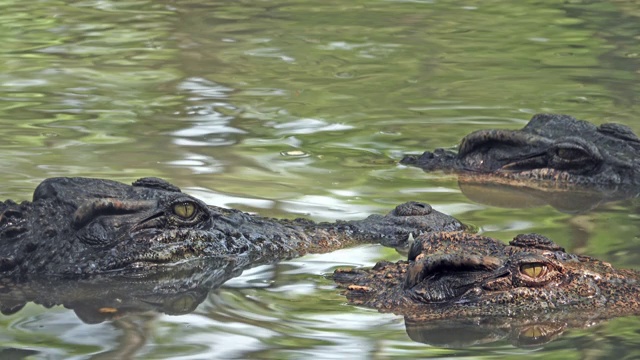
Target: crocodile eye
x,y
185,209
534,270
571,154
574,155
533,332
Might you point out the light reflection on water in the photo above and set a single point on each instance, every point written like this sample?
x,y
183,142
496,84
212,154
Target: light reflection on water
x,y
216,97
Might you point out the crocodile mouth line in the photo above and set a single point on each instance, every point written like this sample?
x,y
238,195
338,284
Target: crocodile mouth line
x,y
546,179
538,174
167,255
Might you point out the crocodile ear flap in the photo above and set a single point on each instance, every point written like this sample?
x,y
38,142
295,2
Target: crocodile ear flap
x,y
93,208
155,183
535,241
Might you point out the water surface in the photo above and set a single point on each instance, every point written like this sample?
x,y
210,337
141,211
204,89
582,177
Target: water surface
x,y
303,108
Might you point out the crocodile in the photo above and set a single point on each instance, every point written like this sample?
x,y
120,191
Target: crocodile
x,y
457,275
83,226
552,151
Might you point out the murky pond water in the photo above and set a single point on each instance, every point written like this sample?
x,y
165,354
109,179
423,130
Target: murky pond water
x,y
303,108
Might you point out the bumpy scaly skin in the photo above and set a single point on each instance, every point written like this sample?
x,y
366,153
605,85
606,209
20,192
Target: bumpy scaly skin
x,y
80,226
460,275
557,150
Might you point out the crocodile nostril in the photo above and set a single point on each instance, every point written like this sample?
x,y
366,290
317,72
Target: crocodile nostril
x,y
413,208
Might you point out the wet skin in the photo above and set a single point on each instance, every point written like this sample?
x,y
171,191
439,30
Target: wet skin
x,y
80,226
455,275
551,150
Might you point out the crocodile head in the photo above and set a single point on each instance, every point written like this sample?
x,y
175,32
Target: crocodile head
x,y
552,150
83,226
459,275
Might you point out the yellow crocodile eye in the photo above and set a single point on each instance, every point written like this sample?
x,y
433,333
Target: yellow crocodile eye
x,y
532,332
534,270
185,209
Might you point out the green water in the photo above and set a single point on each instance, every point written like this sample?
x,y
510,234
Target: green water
x,y
213,96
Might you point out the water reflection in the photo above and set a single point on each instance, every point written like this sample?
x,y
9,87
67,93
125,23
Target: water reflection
x,y
133,303
575,201
210,126
170,290
520,332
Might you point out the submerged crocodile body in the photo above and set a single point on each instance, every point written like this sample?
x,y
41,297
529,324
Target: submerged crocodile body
x,y
81,226
460,276
551,151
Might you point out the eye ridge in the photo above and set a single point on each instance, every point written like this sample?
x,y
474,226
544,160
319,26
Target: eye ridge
x,y
534,270
185,209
